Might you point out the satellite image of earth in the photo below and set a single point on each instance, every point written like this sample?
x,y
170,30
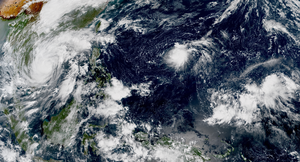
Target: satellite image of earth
x,y
150,81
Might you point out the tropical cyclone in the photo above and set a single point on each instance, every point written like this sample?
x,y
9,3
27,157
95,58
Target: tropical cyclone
x,y
11,8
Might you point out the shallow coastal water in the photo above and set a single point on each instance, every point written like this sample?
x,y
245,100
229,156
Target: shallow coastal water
x,y
4,28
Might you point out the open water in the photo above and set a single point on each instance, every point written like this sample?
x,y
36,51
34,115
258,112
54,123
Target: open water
x,y
155,80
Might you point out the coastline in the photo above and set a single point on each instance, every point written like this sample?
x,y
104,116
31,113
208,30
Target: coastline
x,y
10,9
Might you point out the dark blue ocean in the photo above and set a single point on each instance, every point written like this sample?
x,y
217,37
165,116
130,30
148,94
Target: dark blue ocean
x,y
190,81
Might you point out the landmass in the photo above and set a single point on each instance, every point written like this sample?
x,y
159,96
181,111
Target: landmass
x,y
10,9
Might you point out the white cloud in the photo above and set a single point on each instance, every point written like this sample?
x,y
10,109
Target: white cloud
x,y
117,91
142,89
52,13
231,9
178,56
229,107
108,108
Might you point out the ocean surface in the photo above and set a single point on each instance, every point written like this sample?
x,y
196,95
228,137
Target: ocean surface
x,y
152,80
3,31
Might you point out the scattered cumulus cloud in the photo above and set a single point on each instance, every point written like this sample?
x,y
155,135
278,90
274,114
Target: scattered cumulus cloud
x,y
241,108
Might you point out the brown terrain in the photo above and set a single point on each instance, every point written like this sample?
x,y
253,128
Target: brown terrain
x,y
10,9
